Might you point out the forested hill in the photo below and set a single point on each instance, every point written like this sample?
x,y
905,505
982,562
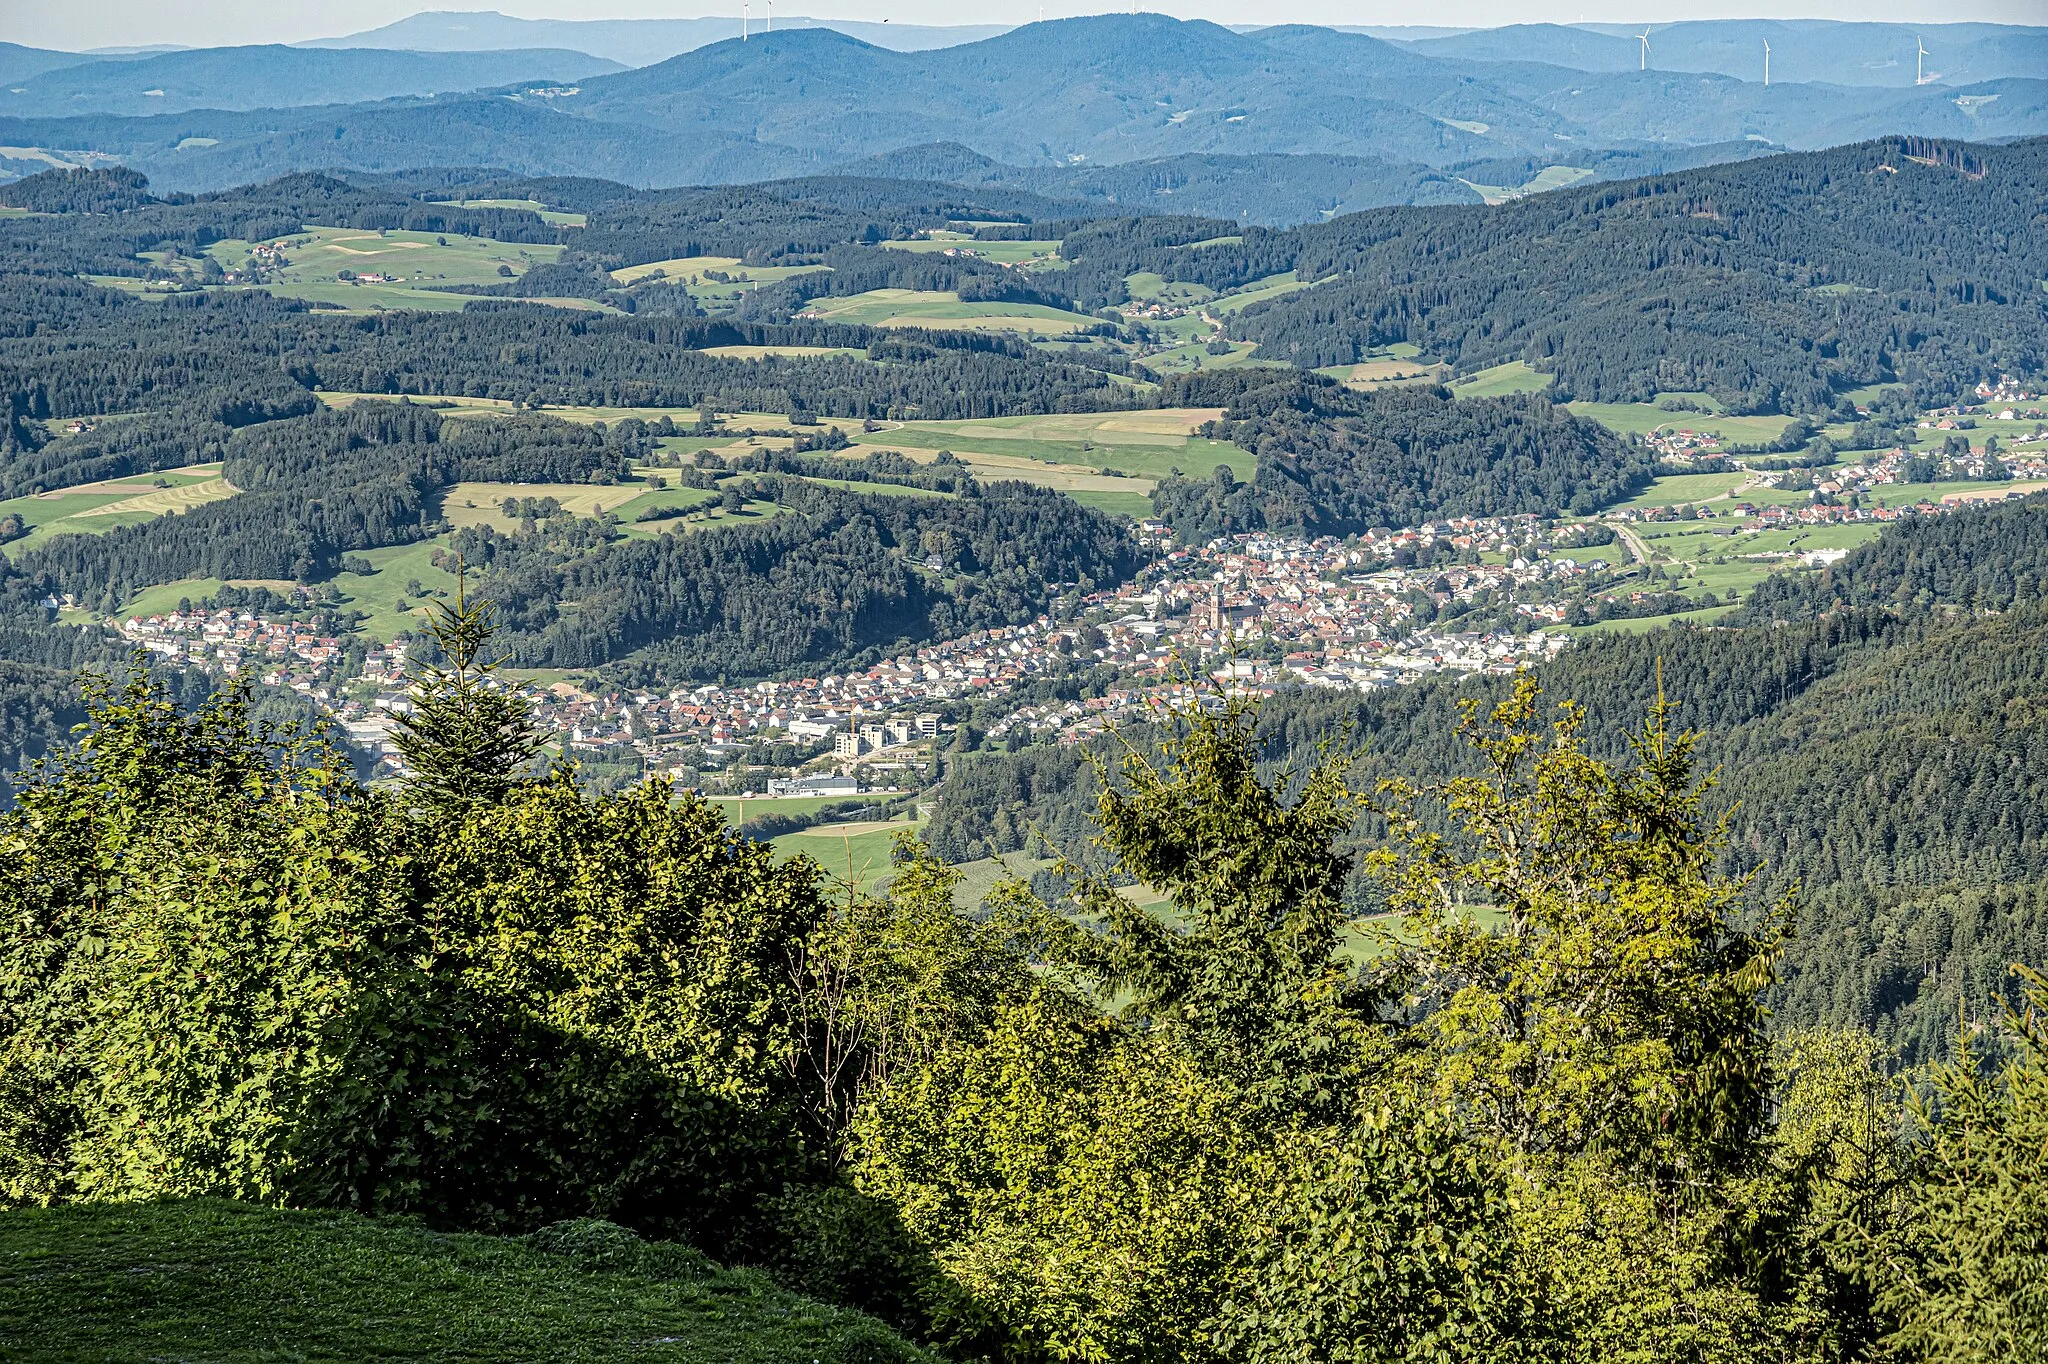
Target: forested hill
x,y
1335,461
1887,763
1771,284
1990,560
622,226
70,349
826,579
836,578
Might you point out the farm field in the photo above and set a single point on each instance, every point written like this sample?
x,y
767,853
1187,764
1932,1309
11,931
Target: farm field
x,y
1683,488
1146,443
942,309
1147,286
1640,419
318,255
756,806
744,277
855,853
1039,255
92,508
979,877
558,218
480,504
1195,355
1513,377
1379,373
853,485
486,407
1081,482
1069,452
1642,625
1550,177
786,352
1258,291
163,597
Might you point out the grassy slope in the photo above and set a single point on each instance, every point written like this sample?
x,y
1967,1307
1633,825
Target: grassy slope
x,y
927,308
91,508
858,853
208,1279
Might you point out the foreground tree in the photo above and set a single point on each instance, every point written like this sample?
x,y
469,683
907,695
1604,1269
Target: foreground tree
x,y
1967,1277
226,968
1526,1117
467,737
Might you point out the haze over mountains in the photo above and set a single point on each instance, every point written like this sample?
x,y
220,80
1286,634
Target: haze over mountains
x,y
1106,91
272,77
630,42
1802,50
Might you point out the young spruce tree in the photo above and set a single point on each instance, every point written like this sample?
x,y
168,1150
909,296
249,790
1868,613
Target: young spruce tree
x,y
467,738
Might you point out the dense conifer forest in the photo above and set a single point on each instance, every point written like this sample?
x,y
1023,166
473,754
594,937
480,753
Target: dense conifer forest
x,y
1771,284
1334,461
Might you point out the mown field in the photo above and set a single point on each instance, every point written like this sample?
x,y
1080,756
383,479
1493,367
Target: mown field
x,y
1513,377
1038,255
943,309
92,508
206,1279
1550,177
857,854
425,264
1107,460
560,219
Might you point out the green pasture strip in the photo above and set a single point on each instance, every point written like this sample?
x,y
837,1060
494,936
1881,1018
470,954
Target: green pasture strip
x,y
219,1281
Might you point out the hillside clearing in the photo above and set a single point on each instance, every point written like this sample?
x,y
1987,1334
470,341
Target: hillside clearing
x,y
942,309
93,508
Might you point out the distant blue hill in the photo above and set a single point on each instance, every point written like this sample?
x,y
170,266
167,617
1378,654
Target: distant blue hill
x,y
1093,93
631,42
273,77
1801,49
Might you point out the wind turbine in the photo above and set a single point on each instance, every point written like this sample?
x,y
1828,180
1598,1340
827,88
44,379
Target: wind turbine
x,y
1644,38
1920,62
1767,63
771,16
743,20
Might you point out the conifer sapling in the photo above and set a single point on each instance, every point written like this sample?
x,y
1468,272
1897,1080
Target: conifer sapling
x,y
466,738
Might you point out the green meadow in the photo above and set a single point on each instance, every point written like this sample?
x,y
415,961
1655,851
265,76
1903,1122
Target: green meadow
x,y
93,508
1258,291
558,218
857,854
1512,377
421,265
1039,255
942,309
206,1279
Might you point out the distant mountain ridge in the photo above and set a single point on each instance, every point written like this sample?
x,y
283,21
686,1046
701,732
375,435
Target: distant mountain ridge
x,y
1830,51
267,77
1095,93
631,42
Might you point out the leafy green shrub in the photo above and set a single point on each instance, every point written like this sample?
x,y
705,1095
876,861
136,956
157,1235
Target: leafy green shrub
x,y
229,970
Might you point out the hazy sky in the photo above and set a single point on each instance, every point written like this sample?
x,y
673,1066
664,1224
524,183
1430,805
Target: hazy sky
x,y
80,24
